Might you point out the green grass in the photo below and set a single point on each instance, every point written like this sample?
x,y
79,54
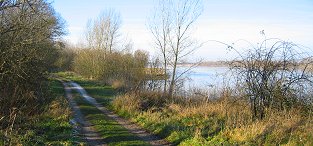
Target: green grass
x,y
171,129
110,130
104,94
49,128
69,76
204,124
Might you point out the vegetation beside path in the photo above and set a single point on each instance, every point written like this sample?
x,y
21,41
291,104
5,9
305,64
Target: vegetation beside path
x,y
217,122
51,127
108,129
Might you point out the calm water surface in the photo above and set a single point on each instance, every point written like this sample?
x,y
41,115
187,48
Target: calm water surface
x,y
206,77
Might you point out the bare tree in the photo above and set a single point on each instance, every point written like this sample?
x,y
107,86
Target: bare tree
x,y
273,74
102,35
171,28
103,32
160,28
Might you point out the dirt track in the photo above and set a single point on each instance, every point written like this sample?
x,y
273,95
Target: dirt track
x,y
88,133
91,136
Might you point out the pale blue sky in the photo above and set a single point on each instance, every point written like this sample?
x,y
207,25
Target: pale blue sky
x,y
222,20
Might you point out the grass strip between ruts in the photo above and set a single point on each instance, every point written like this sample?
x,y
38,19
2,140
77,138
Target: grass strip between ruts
x,y
112,132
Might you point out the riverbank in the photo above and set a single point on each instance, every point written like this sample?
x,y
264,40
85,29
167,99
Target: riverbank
x,y
219,122
222,121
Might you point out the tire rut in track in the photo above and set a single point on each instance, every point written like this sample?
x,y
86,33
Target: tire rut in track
x,y
131,127
89,134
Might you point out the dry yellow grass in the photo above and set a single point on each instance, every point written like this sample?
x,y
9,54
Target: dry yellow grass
x,y
117,84
127,102
291,127
59,107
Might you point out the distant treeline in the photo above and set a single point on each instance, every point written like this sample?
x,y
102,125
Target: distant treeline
x,y
207,63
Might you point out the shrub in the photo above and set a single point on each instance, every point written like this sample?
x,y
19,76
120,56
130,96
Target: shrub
x,y
123,70
27,53
274,74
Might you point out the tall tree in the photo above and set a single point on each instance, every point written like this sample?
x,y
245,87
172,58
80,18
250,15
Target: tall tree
x,y
103,32
159,26
102,35
171,27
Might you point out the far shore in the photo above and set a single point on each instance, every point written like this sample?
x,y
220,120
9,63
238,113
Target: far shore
x,y
207,64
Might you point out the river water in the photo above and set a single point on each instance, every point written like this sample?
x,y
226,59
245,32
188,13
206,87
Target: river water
x,y
214,78
205,77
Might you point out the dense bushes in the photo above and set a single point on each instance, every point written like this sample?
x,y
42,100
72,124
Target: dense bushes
x,y
27,51
50,127
89,63
107,58
65,57
122,70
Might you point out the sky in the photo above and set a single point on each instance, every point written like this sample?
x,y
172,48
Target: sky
x,y
222,20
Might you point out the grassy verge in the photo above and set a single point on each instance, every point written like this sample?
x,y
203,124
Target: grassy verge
x,y
110,130
49,128
219,122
